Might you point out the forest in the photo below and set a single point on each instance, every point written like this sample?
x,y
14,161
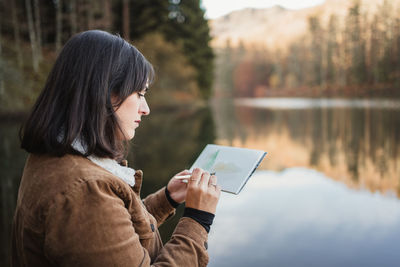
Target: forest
x,y
353,56
32,32
357,55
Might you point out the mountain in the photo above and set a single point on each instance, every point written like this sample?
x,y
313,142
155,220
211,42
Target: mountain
x,y
275,27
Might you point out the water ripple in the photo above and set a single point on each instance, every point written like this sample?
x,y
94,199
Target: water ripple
x,y
307,103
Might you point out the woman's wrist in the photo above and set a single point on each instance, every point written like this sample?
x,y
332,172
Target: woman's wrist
x,y
170,199
202,217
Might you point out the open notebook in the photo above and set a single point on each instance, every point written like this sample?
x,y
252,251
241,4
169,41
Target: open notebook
x,y
233,166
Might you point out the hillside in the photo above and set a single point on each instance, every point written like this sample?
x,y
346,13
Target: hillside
x,y
276,26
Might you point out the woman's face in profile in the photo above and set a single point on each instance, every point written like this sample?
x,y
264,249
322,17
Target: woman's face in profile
x,y
130,112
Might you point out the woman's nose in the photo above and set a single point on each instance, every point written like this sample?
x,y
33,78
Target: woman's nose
x,y
144,108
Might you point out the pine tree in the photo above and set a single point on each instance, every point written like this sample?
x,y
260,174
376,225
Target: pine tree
x,y
386,35
356,45
147,16
16,31
331,50
374,45
32,36
316,50
58,24
188,27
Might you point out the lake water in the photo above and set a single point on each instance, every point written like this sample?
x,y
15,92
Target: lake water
x,y
327,194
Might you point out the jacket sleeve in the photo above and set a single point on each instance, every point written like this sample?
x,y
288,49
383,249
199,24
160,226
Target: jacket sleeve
x,y
187,246
90,226
158,205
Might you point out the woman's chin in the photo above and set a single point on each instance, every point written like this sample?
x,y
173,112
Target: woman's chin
x,y
131,135
126,136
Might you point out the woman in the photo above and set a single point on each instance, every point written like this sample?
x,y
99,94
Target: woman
x,y
77,205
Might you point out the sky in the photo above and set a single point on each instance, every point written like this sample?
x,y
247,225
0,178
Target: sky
x,y
217,8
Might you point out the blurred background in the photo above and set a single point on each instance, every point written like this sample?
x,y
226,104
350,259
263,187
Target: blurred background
x,y
316,84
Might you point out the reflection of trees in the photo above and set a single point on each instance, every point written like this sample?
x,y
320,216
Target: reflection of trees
x,y
357,146
11,165
166,143
224,115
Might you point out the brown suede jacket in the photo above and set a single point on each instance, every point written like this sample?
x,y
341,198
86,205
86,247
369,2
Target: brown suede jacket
x,y
71,212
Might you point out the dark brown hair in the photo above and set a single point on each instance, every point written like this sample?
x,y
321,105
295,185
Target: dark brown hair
x,y
75,103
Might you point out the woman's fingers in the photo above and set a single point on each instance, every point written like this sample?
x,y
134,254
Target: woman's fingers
x,y
205,177
213,181
195,178
202,193
184,172
202,179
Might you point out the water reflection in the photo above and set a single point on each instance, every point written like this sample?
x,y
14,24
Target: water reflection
x,y
311,103
299,217
359,145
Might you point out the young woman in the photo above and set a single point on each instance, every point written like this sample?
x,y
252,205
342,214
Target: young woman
x,y
78,202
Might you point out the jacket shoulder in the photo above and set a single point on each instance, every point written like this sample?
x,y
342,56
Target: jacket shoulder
x,y
48,177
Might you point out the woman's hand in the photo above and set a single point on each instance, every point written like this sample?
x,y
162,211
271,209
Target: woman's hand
x,y
203,192
177,188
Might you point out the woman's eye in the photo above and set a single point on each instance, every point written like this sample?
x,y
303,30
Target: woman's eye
x,y
141,95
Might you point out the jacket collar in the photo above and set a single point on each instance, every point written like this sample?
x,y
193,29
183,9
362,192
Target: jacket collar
x,y
123,172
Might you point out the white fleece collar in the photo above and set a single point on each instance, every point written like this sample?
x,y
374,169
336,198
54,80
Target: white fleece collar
x,y
124,173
